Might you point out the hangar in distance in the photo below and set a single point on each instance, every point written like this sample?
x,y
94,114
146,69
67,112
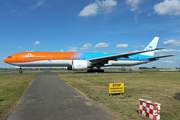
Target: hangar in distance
x,y
84,61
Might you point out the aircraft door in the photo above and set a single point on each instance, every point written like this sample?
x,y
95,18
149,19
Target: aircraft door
x,y
21,58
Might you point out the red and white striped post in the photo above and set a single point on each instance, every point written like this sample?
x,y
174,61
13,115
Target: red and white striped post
x,y
149,109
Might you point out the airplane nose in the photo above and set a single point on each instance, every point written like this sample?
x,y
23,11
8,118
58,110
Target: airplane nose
x,y
5,60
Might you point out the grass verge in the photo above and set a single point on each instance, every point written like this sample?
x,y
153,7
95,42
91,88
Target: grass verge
x,y
157,87
24,71
11,89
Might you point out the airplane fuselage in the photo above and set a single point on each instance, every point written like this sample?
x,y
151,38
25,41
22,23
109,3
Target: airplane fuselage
x,y
59,59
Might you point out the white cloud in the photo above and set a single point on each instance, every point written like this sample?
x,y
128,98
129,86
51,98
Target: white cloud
x,y
107,5
102,45
94,52
61,50
20,48
134,51
171,7
37,42
13,10
97,7
172,43
89,10
133,3
136,18
2,58
178,31
149,14
122,45
29,51
167,61
105,52
39,3
167,51
86,46
117,32
143,46
73,49
7,48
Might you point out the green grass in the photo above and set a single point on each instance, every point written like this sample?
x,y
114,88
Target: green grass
x,y
127,70
116,70
157,87
11,89
71,71
24,71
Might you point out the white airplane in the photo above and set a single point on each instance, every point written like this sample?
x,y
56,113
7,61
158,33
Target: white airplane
x,y
84,61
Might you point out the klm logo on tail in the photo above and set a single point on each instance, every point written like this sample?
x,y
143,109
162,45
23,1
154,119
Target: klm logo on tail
x,y
152,45
149,47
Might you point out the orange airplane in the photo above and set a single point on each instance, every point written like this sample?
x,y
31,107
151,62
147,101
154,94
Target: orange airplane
x,y
84,61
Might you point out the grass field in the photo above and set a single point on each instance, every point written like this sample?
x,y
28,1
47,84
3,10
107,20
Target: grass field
x,y
157,87
11,89
24,71
71,71
107,70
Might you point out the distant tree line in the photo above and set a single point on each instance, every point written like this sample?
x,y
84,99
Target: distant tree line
x,y
147,68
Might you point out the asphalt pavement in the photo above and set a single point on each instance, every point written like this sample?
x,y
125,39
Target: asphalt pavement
x,y
49,98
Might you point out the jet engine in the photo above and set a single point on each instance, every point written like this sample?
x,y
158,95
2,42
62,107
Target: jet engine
x,y
79,65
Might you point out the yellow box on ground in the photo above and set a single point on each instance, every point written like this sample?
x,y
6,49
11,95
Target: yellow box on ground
x,y
116,88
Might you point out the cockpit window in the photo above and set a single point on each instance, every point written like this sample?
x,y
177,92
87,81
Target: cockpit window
x,y
9,57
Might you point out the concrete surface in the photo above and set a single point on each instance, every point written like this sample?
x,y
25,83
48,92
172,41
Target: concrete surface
x,y
49,98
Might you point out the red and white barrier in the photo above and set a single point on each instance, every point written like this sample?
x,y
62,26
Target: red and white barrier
x,y
149,109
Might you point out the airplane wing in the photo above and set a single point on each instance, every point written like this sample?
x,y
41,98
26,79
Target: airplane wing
x,y
161,56
114,57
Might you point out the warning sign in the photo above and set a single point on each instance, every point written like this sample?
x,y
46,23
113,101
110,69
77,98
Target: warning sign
x,y
116,88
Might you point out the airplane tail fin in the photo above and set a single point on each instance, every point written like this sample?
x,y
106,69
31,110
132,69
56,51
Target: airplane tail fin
x,y
152,45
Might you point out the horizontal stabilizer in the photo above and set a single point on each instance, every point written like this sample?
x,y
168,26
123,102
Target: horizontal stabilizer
x,y
159,48
161,56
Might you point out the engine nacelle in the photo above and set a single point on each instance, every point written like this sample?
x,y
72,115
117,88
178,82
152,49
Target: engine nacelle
x,y
80,65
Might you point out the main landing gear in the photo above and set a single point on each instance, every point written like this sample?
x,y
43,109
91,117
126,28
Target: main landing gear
x,y
20,70
95,70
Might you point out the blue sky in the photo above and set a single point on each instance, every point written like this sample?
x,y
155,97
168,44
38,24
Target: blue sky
x,y
113,26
